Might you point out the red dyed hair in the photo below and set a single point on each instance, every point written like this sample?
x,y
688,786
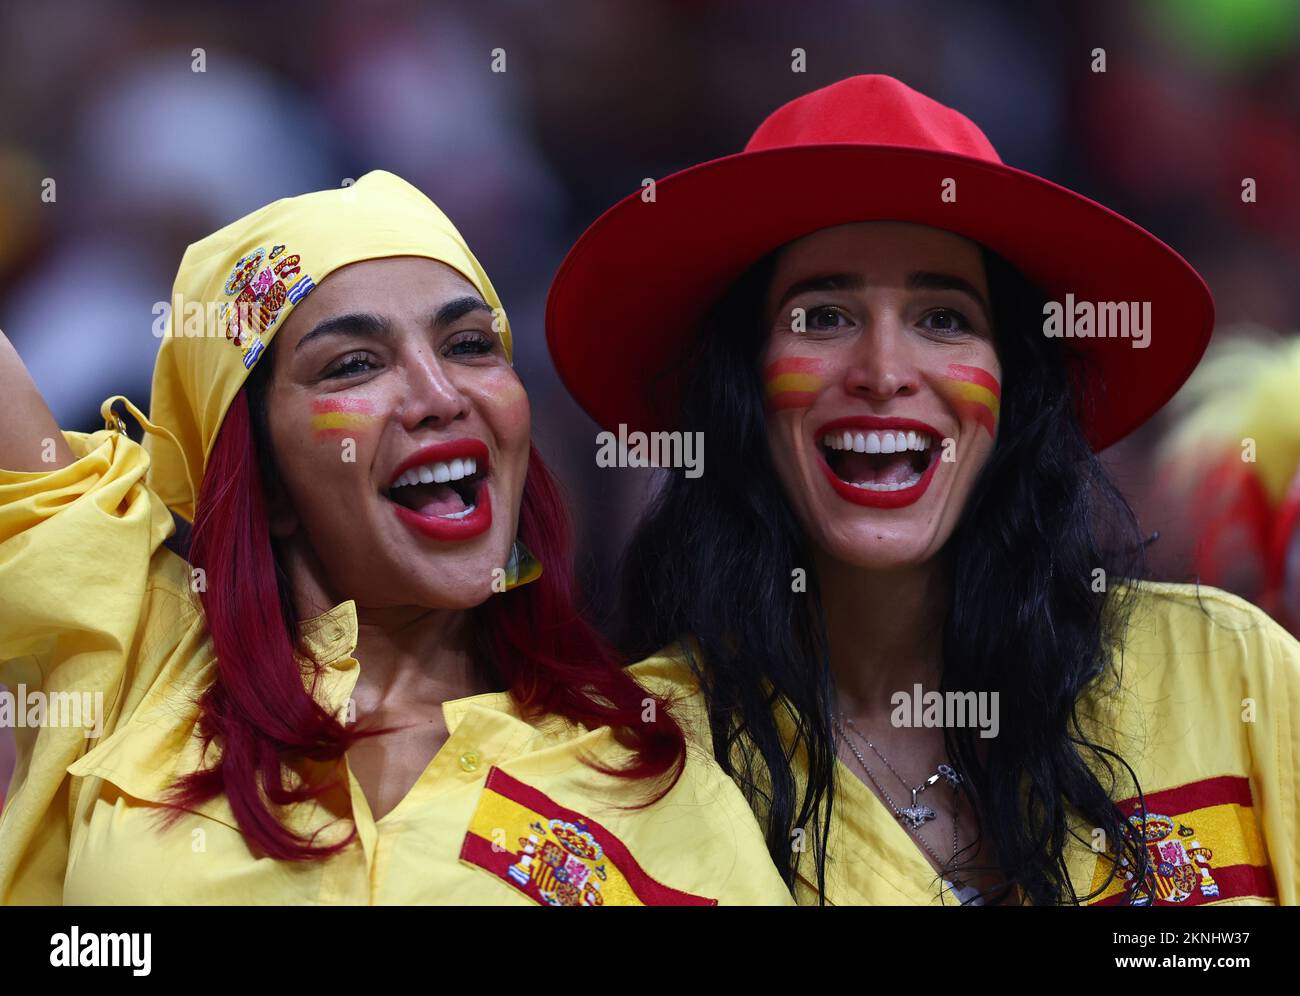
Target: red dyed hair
x,y
261,713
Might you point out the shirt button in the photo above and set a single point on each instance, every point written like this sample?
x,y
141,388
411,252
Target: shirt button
x,y
469,760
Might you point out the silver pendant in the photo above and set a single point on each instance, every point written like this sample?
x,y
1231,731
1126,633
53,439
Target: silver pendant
x,y
916,816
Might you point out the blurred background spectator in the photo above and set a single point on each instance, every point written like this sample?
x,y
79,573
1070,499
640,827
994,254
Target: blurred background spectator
x,y
146,155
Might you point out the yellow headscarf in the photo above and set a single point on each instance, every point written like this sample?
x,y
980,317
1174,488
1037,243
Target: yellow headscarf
x,y
267,262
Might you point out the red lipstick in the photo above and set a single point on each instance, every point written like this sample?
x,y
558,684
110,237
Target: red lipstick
x,y
436,526
866,496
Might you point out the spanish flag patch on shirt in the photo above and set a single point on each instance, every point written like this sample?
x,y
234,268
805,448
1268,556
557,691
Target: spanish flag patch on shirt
x,y
1203,845
556,856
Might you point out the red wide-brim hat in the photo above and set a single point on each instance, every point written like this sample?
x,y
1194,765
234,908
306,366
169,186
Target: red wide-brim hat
x,y
627,302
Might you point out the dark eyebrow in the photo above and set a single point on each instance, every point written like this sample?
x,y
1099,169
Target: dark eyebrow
x,y
459,308
826,282
365,325
359,324
927,280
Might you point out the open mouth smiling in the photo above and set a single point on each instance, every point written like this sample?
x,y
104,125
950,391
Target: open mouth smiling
x,y
442,490
879,462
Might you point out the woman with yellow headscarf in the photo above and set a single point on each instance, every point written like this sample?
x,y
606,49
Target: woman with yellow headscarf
x,y
364,681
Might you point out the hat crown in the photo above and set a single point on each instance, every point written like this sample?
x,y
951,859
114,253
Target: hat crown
x,y
872,110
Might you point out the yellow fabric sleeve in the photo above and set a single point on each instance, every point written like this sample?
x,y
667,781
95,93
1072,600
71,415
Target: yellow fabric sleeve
x,y
1278,756
75,550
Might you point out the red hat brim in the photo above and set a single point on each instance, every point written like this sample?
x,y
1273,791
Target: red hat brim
x,y
626,303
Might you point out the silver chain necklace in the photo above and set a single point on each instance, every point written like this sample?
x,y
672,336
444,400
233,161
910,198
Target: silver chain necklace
x,y
916,815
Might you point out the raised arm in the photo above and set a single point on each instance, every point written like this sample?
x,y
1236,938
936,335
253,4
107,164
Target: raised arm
x,y
30,439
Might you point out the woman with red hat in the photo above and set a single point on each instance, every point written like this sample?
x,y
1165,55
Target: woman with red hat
x,y
910,594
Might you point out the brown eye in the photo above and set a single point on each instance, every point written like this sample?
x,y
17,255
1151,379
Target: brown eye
x,y
350,366
471,344
824,319
947,320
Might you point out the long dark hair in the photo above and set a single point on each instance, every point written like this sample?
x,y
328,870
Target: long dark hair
x,y
711,563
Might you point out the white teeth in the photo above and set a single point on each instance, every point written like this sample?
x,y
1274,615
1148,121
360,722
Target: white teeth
x,y
891,441
877,442
864,486
457,515
439,472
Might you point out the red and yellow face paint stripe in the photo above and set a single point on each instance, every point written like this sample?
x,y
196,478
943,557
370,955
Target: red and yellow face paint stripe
x,y
335,417
974,392
793,382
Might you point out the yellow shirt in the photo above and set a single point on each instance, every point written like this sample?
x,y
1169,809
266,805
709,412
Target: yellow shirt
x,y
96,613
1208,715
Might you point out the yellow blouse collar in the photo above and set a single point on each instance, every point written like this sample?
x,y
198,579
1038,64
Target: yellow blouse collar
x,y
331,637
